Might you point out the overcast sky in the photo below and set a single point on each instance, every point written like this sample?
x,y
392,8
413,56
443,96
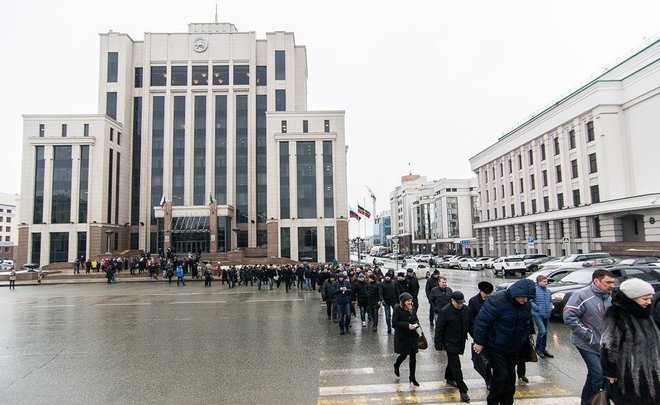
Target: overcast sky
x,y
430,83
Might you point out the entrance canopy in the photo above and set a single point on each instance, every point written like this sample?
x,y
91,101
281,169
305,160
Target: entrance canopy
x,y
190,224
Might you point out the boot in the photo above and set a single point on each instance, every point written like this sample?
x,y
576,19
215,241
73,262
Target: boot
x,y
464,397
414,382
396,369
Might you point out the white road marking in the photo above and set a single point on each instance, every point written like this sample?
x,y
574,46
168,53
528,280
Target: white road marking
x,y
53,306
347,371
282,300
531,401
122,304
197,302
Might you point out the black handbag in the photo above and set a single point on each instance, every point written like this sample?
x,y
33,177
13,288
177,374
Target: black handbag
x,y
603,396
422,343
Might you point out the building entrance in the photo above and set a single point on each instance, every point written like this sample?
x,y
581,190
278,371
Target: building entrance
x,y
191,234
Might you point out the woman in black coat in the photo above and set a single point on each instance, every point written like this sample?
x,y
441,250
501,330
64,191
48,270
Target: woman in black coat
x,y
405,323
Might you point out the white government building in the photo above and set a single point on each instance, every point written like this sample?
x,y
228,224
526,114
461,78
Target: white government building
x,y
581,175
214,123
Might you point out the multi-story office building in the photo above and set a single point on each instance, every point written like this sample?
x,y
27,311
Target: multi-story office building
x,y
8,224
203,143
383,229
580,175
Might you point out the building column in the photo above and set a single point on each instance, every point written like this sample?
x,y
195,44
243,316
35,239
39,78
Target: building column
x,y
552,241
213,226
167,221
341,241
272,230
611,229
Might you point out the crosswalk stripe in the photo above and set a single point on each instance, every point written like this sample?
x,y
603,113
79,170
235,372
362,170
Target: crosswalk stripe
x,y
390,388
122,304
196,302
347,371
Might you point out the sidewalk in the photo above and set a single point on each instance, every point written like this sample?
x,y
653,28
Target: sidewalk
x,y
83,278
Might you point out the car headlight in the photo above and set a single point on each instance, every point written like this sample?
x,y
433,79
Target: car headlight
x,y
559,297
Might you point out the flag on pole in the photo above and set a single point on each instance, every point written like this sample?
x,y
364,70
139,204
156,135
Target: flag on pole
x,y
353,214
163,201
210,198
367,213
363,212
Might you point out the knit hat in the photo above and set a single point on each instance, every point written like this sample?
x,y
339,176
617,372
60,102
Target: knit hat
x,y
405,297
635,288
486,287
360,275
458,297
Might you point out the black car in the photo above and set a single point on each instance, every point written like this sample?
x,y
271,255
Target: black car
x,y
533,265
563,290
553,275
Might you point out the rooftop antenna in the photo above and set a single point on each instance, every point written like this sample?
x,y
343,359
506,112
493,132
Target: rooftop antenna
x,y
216,11
409,170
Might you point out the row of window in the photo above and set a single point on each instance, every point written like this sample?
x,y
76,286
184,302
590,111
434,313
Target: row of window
x,y
3,218
3,210
284,126
556,148
575,224
65,131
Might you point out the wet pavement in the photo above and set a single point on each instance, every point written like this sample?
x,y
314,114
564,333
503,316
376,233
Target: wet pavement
x,y
156,343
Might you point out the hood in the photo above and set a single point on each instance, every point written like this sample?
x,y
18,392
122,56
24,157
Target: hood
x,y
522,288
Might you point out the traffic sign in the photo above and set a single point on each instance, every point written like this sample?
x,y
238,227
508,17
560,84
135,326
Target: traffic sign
x,y
517,238
465,243
530,241
565,240
395,248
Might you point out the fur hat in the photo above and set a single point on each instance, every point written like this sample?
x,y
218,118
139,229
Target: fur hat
x,y
635,288
486,287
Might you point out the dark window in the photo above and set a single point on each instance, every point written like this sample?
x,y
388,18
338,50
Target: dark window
x,y
560,228
519,161
283,126
280,65
111,104
522,208
112,132
501,170
178,149
136,160
118,138
558,173
36,248
61,193
532,184
39,171
159,75
556,141
560,201
544,176
221,149
64,130
307,244
59,247
241,74
306,171
305,126
109,195
590,131
502,194
113,67
199,158
85,129
495,213
241,159
42,130
220,75
82,246
328,181
546,204
83,196
157,155
522,188
513,210
576,198
571,139
285,204
179,76
135,241
593,164
487,199
326,128
262,160
285,242
510,166
510,188
242,239
531,157
138,77
596,224
534,206
200,75
595,194
542,151
280,100
262,238
578,228
574,169
503,212
329,243
262,75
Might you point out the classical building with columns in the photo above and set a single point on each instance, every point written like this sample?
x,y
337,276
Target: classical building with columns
x,y
581,175
202,143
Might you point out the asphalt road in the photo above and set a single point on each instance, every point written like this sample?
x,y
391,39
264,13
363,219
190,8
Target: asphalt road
x,y
156,343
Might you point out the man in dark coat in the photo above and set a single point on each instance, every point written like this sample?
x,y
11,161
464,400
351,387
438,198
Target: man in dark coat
x,y
656,308
502,328
329,297
440,296
431,283
401,283
342,292
479,361
373,294
389,298
454,323
413,286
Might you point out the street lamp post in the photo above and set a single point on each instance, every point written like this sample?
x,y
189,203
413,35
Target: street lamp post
x,y
395,240
358,239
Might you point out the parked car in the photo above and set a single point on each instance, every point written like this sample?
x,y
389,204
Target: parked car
x,y
533,265
453,261
563,290
509,265
574,261
639,260
601,262
421,270
468,263
488,262
424,258
553,275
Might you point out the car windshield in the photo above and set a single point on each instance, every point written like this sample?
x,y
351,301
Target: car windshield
x,y
580,277
513,259
538,273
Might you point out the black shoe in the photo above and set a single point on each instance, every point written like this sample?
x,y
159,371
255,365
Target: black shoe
x,y
523,379
341,332
414,382
548,355
374,330
396,369
540,354
389,331
452,383
464,397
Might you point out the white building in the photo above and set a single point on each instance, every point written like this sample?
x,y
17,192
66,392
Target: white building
x,y
580,175
8,224
197,121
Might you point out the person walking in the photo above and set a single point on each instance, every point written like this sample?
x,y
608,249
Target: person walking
x,y
373,301
475,303
656,308
584,313
431,283
12,278
179,275
502,327
389,298
405,324
630,346
440,296
541,312
342,292
208,276
329,297
413,286
454,323
360,292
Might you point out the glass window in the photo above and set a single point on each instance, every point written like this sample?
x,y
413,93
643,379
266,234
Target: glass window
x,y
510,188
42,130
242,239
571,139
593,164
112,66
241,74
157,156
111,104
546,203
137,160
595,194
135,241
220,75
307,244
159,75
117,182
596,226
558,173
59,247
64,130
522,188
262,160
280,100
262,238
262,75
200,75
513,210
531,157
199,158
532,184
556,141
328,181
534,206
83,183
305,126
82,246
284,126
285,204
85,129
241,159
221,149
306,171
544,176
519,161
542,151
576,198
178,150
39,171
590,131
329,243
36,248
137,82
574,169
560,201
285,242
510,166
118,138
112,134
326,128
179,76
280,65
109,194
61,186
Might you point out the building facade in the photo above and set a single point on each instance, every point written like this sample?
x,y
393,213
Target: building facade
x,y
8,224
383,229
579,176
187,153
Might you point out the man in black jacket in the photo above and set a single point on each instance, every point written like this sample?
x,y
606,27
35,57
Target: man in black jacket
x,y
431,283
390,298
454,323
440,296
373,292
475,303
413,287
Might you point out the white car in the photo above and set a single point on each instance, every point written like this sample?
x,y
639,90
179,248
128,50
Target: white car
x,y
421,270
468,263
424,258
575,261
509,265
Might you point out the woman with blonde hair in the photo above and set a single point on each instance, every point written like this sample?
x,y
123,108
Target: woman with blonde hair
x,y
405,323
